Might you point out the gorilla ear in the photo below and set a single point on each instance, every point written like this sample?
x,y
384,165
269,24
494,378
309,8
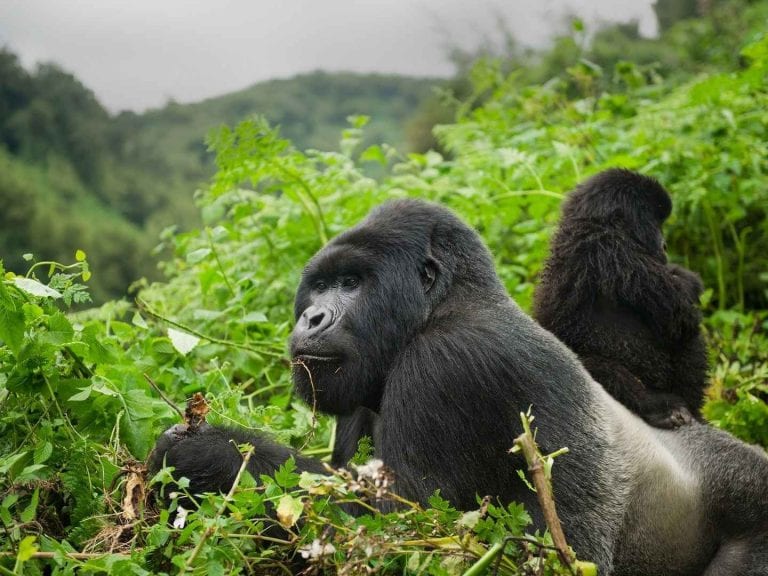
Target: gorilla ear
x,y
429,273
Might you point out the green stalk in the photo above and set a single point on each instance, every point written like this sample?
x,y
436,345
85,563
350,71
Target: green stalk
x,y
485,560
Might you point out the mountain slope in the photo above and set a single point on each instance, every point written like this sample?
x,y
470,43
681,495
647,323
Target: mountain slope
x,y
76,177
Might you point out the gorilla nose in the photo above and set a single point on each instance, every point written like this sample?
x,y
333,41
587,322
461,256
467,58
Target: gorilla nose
x,y
315,319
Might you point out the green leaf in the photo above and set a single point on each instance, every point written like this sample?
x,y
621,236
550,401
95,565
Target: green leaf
x,y
139,404
5,298
286,476
182,341
27,548
524,478
219,234
35,288
43,452
5,515
32,312
93,335
28,514
255,318
586,568
98,385
163,347
122,330
438,502
289,510
12,329
374,154
60,330
138,320
198,255
81,396
7,462
137,422
32,472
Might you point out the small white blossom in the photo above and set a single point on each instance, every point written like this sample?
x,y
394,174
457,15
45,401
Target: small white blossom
x,y
317,550
370,469
181,517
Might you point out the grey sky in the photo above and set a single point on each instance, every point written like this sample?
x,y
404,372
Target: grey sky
x,y
136,54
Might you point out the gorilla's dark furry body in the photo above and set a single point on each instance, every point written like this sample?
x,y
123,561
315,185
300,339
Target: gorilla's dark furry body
x,y
404,315
608,293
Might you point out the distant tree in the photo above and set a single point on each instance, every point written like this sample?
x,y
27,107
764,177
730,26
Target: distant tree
x,y
31,131
81,122
15,89
621,42
19,200
668,12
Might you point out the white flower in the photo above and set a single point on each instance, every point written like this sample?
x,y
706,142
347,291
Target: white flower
x,y
371,469
181,517
317,550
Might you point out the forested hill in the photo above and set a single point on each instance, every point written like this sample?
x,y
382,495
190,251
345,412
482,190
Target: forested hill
x,y
73,176
311,110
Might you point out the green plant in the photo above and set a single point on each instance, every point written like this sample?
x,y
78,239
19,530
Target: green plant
x,y
80,393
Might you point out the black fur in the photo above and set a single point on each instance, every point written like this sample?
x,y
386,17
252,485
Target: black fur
x,y
349,430
210,458
404,314
608,292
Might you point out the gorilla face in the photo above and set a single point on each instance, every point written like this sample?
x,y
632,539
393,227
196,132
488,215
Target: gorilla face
x,y
357,306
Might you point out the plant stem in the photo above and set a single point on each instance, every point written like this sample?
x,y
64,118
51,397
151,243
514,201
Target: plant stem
x,y
266,351
485,560
211,528
543,490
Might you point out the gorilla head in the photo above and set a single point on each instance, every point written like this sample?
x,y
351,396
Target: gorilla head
x,y
365,294
621,198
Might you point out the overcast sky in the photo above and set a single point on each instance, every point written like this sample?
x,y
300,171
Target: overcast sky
x,y
136,54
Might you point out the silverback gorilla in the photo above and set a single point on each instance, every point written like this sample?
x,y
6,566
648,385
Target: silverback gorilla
x,y
405,315
608,292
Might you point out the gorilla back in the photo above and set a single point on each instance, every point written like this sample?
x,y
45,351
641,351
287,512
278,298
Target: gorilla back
x,y
405,315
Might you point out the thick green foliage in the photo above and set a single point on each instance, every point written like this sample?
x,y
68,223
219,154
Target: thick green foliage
x,y
739,391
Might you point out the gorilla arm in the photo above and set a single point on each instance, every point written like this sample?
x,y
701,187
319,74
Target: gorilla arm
x,y
209,457
654,289
689,281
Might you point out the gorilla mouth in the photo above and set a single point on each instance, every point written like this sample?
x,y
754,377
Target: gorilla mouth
x,y
320,356
315,358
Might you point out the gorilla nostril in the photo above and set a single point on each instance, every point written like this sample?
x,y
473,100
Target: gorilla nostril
x,y
316,319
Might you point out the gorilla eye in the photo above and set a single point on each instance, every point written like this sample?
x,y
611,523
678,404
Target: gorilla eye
x,y
320,286
350,282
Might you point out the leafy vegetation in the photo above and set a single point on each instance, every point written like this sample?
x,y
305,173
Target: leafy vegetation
x,y
80,392
74,176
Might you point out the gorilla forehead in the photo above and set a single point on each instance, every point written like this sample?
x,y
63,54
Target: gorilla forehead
x,y
412,228
399,224
342,258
